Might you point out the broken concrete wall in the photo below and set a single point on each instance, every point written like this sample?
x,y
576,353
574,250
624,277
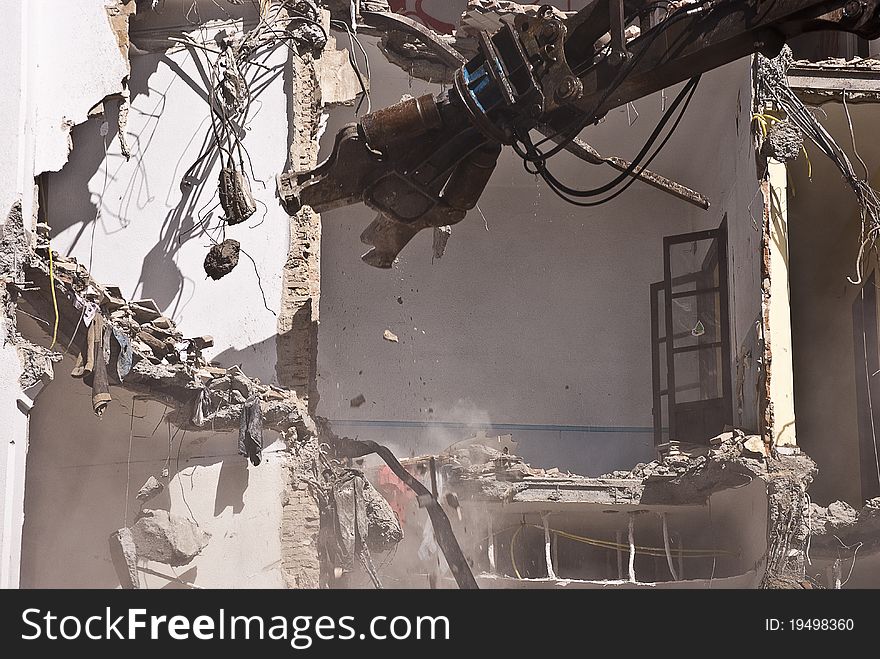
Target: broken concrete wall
x,y
60,60
142,183
537,319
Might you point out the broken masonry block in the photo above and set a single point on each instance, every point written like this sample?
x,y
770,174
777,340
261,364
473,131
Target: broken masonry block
x,y
144,310
149,489
201,342
112,298
162,323
157,346
123,554
222,258
235,196
168,538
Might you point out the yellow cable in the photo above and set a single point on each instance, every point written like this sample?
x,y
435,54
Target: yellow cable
x,y
54,298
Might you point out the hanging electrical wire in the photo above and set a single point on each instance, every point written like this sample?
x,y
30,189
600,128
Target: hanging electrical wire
x,y
773,83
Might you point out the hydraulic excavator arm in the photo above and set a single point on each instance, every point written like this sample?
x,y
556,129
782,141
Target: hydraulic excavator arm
x,y
424,162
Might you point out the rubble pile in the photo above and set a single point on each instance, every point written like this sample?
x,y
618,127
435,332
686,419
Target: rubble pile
x,y
143,349
840,524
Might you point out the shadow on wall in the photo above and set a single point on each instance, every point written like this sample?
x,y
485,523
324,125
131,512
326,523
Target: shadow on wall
x,y
80,469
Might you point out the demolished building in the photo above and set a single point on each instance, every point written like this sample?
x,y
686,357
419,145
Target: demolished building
x,y
684,374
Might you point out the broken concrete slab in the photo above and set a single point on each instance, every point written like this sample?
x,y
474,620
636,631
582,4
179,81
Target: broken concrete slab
x,y
123,553
144,311
151,488
168,538
441,237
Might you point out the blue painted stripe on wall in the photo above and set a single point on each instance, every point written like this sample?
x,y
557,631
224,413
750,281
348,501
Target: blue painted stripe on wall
x,y
495,426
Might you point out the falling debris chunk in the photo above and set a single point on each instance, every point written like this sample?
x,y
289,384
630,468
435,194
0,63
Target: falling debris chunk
x,y
441,237
390,336
149,489
168,538
123,553
222,258
358,400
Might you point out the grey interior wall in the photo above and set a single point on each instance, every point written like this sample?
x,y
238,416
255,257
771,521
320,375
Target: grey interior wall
x,y
742,203
539,313
824,241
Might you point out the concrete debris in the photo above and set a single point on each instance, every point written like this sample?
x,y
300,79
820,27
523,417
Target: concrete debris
x,y
421,60
123,554
489,15
441,237
144,311
755,445
841,523
151,488
840,63
388,335
159,361
222,258
383,527
784,142
357,401
771,74
168,538
14,247
362,520
36,363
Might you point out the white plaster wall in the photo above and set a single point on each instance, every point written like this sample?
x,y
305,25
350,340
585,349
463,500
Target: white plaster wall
x,y
145,238
11,87
540,324
13,452
79,471
13,446
79,64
